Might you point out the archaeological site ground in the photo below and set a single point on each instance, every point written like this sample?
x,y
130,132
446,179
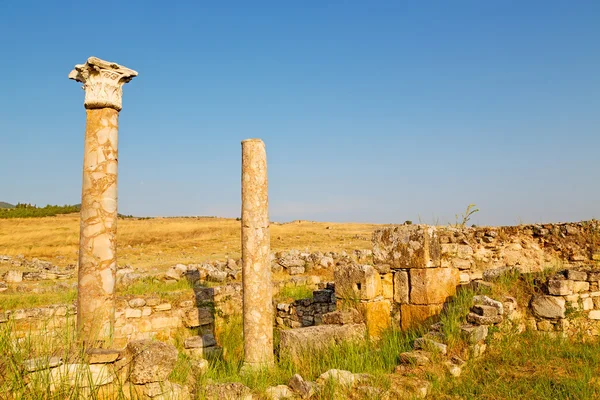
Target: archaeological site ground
x,y
214,308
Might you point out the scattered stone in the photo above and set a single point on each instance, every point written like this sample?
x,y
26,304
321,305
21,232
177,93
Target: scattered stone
x,y
485,311
453,369
477,350
279,392
548,306
429,344
303,388
338,377
415,357
487,301
474,333
481,320
404,387
102,356
227,391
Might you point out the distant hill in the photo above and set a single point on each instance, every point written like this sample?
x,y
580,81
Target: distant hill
x,y
6,205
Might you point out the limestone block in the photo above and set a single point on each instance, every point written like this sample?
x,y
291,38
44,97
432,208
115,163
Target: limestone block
x,y
587,304
299,341
137,303
377,316
430,345
474,333
594,314
360,282
432,285
151,361
279,392
301,387
560,287
195,317
579,286
401,287
133,313
415,357
13,276
477,319
407,246
485,311
576,275
387,286
102,356
548,306
343,317
414,315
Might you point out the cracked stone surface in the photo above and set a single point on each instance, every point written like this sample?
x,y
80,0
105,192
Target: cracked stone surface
x,y
256,262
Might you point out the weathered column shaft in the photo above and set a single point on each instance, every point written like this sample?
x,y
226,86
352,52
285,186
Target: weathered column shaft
x,y
98,231
256,269
103,84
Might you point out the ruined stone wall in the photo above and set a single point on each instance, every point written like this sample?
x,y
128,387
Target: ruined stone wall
x,y
427,263
306,312
569,302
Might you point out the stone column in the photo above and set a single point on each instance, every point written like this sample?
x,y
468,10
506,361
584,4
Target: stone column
x,y
256,269
103,84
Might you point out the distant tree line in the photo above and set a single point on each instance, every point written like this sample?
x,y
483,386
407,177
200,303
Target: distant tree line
x,y
26,210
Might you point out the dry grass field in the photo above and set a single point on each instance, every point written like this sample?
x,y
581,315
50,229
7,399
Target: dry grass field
x,y
161,242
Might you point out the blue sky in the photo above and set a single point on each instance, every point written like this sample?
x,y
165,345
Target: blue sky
x,y
379,111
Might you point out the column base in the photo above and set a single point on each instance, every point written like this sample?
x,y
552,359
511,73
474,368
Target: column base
x,y
248,367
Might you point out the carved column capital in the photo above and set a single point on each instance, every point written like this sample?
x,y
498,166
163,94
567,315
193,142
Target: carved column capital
x,y
103,82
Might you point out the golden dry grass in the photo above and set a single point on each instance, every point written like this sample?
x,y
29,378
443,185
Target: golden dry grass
x,y
161,242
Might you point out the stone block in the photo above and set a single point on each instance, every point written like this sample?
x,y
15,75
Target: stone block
x,y
477,319
377,316
150,361
102,356
474,333
485,311
560,287
195,317
415,357
594,314
13,276
295,342
360,282
430,345
548,306
401,287
322,296
343,317
387,286
407,246
133,313
576,275
413,315
587,304
579,286
432,285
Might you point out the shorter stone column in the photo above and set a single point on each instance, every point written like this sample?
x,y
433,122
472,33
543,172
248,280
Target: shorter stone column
x,y
256,263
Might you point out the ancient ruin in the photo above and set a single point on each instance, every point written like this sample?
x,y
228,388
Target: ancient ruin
x,y
256,249
103,84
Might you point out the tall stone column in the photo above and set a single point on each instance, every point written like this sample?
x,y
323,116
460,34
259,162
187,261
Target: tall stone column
x,y
103,84
256,268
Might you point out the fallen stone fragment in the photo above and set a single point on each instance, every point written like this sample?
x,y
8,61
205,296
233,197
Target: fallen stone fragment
x,y
338,377
303,388
415,357
481,320
431,345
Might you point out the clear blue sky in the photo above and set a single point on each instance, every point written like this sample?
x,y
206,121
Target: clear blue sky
x,y
375,111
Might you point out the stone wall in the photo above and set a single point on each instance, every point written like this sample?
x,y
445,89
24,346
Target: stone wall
x,y
306,312
427,263
570,302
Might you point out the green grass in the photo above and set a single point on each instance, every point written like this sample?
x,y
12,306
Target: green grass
x,y
529,366
29,211
12,300
295,292
166,290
